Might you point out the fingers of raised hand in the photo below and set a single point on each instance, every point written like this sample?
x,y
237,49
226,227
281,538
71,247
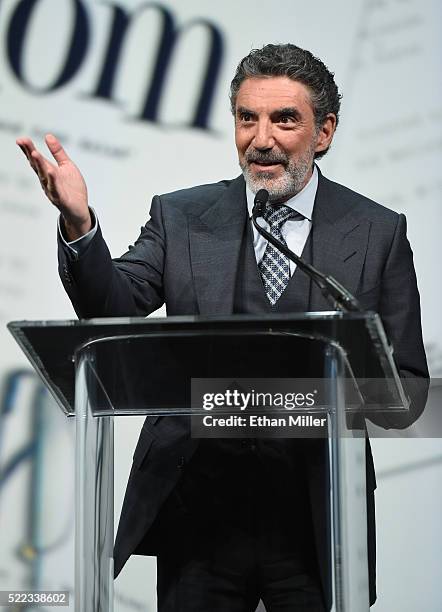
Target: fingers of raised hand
x,y
45,171
51,187
25,144
27,147
35,158
57,151
39,165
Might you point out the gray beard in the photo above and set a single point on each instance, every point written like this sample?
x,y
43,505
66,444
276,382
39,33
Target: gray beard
x,y
284,187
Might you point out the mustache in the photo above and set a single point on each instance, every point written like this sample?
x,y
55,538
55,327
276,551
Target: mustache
x,y
261,157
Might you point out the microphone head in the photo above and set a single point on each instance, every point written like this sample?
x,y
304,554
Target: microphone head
x,y
261,199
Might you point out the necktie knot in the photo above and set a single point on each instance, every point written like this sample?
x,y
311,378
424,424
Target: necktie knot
x,y
276,216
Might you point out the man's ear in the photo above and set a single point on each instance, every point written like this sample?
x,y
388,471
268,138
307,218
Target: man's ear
x,y
326,133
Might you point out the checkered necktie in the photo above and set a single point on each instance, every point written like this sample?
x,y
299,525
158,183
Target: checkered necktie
x,y
274,266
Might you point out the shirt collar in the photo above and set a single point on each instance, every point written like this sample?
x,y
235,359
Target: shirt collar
x,y
302,202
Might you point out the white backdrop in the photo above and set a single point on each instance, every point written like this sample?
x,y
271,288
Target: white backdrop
x,y
386,55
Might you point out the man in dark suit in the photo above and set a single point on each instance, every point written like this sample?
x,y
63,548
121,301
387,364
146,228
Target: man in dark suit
x,y
286,108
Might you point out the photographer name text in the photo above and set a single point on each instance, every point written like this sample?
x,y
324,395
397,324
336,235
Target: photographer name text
x,y
253,420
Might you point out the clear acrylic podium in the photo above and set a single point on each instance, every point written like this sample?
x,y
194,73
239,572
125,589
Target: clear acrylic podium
x,y
97,369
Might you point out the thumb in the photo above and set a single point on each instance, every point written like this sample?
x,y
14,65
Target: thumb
x,y
57,151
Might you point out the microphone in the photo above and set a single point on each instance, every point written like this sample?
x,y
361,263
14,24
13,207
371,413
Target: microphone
x,y
259,203
333,291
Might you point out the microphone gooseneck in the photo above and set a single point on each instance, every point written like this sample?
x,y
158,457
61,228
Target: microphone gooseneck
x,y
333,291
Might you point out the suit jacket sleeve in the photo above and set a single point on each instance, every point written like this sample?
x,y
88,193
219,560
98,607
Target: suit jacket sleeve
x,y
128,286
399,308
400,305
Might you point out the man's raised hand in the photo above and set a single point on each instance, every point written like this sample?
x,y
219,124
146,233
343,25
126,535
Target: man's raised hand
x,y
62,183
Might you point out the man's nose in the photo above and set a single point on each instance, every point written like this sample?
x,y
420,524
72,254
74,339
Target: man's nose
x,y
263,136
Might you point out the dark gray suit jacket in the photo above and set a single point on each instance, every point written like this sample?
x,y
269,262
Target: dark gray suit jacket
x,y
187,256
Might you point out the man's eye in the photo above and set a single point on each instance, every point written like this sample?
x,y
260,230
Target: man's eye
x,y
285,119
246,117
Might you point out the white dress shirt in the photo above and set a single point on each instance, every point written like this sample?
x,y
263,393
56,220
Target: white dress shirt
x,y
294,231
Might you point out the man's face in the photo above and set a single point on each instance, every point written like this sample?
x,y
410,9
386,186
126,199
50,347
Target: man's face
x,y
276,135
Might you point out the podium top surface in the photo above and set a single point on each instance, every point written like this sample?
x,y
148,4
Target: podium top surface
x,y
173,348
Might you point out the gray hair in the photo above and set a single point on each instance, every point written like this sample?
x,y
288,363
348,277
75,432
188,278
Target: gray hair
x,y
297,64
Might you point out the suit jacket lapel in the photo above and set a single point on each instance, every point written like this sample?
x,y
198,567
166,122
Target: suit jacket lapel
x,y
215,240
340,237
339,243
